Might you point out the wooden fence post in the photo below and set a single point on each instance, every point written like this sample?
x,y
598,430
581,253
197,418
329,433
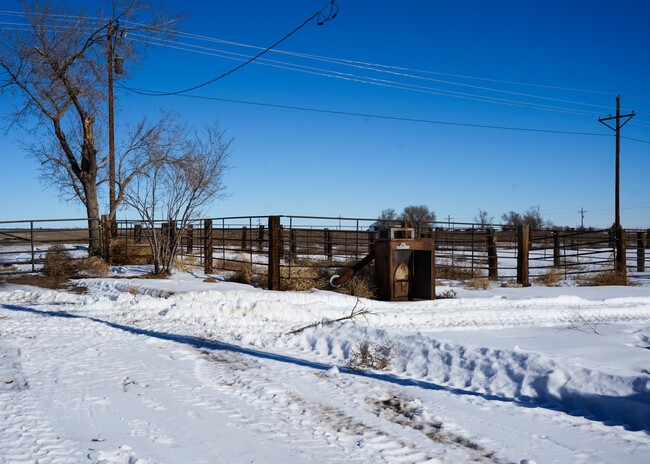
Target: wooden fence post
x,y
294,243
275,244
244,241
207,246
523,246
106,242
260,237
493,259
328,244
621,259
189,245
557,255
137,233
640,251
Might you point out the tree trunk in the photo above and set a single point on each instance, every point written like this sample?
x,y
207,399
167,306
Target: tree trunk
x,y
92,212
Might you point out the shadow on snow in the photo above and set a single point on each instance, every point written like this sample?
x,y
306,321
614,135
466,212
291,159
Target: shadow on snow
x,y
631,412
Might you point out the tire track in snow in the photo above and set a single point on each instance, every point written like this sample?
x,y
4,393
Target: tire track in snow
x,y
26,436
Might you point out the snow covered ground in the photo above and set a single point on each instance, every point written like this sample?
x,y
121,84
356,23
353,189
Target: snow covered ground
x,y
143,371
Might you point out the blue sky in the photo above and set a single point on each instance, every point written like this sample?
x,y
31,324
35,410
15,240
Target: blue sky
x,y
544,66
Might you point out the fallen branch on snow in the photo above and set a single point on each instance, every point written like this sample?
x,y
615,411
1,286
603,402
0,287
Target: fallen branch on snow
x,y
353,314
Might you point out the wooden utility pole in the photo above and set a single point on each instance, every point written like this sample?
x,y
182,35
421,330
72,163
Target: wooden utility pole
x,y
114,66
617,129
582,218
618,230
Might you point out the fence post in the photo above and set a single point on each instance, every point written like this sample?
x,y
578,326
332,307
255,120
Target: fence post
x,y
106,235
557,255
244,229
328,244
275,244
294,244
621,261
640,251
189,245
493,259
207,246
523,246
31,240
260,238
137,233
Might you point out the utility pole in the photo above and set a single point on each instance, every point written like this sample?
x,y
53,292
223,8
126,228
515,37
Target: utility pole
x,y
114,66
620,242
617,129
449,218
582,218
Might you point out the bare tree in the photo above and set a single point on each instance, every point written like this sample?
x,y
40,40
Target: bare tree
x,y
387,217
483,219
420,216
184,174
532,217
54,66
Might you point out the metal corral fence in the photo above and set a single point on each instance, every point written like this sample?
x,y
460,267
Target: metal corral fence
x,y
23,244
327,244
277,248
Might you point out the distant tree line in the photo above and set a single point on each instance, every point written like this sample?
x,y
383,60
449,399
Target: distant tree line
x,y
421,214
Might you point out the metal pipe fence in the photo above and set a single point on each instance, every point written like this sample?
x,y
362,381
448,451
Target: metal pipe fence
x,y
242,244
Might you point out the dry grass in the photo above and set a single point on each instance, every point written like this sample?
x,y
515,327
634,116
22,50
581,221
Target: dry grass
x,y
599,279
186,263
552,277
92,267
477,283
126,251
58,262
8,268
242,272
308,274
454,272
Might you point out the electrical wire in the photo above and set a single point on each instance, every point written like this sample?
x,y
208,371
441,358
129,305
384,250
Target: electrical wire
x,y
322,19
377,116
374,67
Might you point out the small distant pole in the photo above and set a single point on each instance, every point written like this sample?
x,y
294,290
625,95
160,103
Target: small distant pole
x,y
582,218
449,219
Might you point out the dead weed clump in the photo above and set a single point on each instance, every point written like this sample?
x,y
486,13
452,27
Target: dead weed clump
x,y
477,283
552,277
368,355
58,262
93,266
242,272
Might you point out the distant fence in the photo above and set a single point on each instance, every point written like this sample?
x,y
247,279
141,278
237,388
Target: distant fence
x,y
275,248
23,244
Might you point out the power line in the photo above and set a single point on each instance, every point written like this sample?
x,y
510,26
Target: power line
x,y
381,83
371,115
322,19
371,67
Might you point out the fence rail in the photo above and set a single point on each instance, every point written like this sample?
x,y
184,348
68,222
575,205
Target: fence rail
x,y
275,253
